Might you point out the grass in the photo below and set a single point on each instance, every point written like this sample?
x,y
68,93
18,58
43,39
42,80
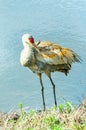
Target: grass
x,y
65,117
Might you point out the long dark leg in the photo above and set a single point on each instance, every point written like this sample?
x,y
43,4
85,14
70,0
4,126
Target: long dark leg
x,y
53,90
42,90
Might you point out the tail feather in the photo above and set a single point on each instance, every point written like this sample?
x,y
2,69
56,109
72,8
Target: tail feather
x,y
77,57
70,55
65,71
64,68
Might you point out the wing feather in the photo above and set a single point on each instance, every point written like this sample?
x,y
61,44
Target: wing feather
x,y
54,54
50,53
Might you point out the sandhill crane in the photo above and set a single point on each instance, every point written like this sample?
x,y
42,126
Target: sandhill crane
x,y
46,57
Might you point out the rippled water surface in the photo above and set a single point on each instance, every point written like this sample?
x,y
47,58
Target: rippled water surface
x,y
59,21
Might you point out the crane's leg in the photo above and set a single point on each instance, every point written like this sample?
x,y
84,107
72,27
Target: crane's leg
x,y
42,90
53,91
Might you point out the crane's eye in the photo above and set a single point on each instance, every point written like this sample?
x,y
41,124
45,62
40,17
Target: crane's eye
x,y
31,40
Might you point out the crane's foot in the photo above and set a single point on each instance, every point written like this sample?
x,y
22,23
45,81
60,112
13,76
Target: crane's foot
x,y
44,109
55,106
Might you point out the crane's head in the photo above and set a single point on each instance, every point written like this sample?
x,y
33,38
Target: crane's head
x,y
27,38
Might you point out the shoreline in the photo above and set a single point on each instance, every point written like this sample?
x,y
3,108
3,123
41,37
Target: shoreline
x,y
65,116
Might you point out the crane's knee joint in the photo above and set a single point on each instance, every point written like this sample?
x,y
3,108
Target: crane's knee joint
x,y
42,89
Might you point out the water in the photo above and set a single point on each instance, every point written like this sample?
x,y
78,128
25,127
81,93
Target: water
x,y
59,21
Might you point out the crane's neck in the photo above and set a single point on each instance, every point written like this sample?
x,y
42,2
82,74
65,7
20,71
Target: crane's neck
x,y
27,46
27,54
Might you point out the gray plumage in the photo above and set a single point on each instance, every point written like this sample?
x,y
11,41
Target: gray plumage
x,y
46,57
